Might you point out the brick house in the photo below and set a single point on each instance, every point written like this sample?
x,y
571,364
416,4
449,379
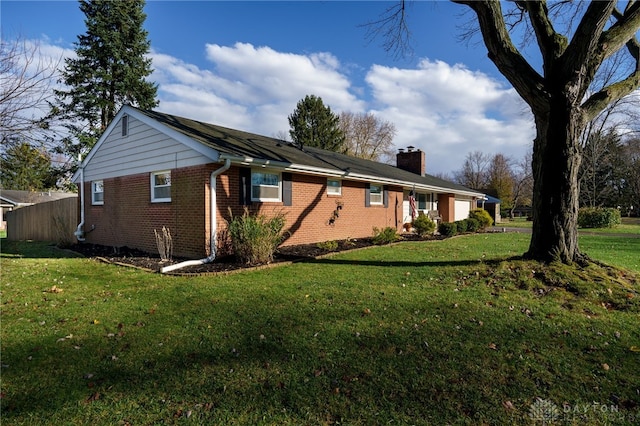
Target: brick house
x,y
151,169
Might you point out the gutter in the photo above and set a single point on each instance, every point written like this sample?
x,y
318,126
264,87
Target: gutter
x,y
79,231
289,167
214,224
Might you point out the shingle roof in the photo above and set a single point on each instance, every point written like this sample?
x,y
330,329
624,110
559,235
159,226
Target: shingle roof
x,y
16,197
238,143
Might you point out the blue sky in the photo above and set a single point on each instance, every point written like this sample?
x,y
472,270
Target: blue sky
x,y
246,64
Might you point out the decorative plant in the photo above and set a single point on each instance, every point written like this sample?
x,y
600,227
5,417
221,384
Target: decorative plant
x,y
164,243
385,235
424,225
255,238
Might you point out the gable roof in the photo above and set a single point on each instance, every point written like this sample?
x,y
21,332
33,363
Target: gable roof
x,y
248,148
244,148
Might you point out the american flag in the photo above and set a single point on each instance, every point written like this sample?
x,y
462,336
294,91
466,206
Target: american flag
x,y
412,205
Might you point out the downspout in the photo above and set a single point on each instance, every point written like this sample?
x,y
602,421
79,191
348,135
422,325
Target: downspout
x,y
214,224
79,231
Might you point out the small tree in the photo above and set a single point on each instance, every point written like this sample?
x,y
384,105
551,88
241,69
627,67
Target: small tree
x,y
313,124
367,136
25,168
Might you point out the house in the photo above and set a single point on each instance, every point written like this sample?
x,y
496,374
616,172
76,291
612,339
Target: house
x,y
151,170
491,205
13,199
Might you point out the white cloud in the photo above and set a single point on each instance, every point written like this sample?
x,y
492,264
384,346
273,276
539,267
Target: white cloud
x,y
445,110
448,111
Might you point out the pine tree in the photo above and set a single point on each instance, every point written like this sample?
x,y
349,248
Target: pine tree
x,y
25,168
110,70
313,124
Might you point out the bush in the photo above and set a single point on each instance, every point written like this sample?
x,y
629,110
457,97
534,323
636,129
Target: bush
x,y
461,226
598,217
254,238
424,225
472,224
448,229
482,216
385,235
328,245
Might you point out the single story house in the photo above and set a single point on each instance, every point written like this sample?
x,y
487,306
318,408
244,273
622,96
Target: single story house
x,y
11,199
151,170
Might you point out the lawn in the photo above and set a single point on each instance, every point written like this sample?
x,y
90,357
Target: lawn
x,y
442,332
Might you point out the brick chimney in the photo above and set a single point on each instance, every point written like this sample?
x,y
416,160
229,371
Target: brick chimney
x,y
413,160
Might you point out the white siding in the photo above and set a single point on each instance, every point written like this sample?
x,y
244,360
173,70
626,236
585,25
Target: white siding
x,y
143,150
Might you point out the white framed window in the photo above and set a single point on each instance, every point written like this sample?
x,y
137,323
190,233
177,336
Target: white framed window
x,y
334,187
125,125
97,192
161,187
375,194
265,186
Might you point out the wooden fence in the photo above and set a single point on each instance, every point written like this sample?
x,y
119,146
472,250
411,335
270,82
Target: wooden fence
x,y
54,221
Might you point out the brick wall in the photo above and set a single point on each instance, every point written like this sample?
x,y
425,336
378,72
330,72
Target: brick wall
x,y
312,208
447,207
128,217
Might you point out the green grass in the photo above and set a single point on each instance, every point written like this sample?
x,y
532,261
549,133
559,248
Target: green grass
x,y
630,225
442,332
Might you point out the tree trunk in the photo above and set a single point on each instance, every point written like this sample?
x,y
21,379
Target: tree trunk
x,y
556,161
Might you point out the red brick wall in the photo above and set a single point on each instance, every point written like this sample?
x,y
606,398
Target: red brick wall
x,y
128,217
446,207
308,217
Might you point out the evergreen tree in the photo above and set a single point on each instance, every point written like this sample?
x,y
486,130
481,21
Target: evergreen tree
x,y
109,71
313,124
25,168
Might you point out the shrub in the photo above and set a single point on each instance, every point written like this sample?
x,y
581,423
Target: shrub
x,y
424,225
598,217
385,235
328,245
254,238
482,216
448,229
472,224
461,226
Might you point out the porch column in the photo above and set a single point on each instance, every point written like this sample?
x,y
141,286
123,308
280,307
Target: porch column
x,y
447,207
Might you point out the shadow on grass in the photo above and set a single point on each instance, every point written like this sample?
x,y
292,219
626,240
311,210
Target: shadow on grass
x,y
433,370
412,264
33,250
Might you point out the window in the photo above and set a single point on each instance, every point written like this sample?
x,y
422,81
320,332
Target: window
x,y
375,192
161,187
265,186
125,125
334,187
97,192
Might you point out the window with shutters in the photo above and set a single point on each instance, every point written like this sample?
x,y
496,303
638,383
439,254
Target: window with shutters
x,y
375,194
266,186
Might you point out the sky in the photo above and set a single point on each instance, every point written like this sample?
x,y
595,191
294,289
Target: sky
x,y
246,64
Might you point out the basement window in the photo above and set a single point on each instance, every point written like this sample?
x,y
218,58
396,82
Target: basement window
x,y
97,192
161,187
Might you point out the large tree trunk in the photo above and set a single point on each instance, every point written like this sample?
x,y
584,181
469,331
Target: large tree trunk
x,y
556,160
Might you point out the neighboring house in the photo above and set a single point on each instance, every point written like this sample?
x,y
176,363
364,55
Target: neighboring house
x,y
151,169
492,205
13,199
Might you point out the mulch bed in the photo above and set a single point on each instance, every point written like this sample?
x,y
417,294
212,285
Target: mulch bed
x,y
135,258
